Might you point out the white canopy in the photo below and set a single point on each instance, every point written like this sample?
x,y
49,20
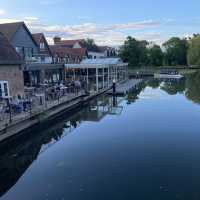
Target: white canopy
x,y
98,63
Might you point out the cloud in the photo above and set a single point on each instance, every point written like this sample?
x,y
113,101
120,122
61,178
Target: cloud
x,y
110,34
2,12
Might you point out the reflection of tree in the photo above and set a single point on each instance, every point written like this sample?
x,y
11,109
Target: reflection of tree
x,y
154,83
133,94
174,87
193,87
17,155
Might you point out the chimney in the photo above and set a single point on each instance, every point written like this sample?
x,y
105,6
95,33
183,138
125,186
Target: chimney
x,y
57,40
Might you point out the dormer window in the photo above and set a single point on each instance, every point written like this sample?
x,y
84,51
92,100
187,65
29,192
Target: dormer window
x,y
42,45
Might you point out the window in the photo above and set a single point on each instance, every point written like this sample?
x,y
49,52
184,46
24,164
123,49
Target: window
x,y
4,89
42,46
20,51
5,85
42,59
28,52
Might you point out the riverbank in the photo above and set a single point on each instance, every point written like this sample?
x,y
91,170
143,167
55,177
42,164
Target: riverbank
x,y
25,121
150,71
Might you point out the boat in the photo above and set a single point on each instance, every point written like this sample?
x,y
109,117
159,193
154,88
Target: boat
x,y
168,74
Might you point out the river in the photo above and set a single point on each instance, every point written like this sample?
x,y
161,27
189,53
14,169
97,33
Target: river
x,y
145,145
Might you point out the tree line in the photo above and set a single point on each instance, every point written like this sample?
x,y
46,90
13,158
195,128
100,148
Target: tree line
x,y
174,52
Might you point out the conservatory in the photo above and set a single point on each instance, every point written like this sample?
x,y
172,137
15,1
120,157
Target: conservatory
x,y
98,74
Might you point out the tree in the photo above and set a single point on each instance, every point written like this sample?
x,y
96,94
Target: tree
x,y
90,44
176,51
194,50
134,52
155,56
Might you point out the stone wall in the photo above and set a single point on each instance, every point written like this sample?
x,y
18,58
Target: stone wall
x,y
14,76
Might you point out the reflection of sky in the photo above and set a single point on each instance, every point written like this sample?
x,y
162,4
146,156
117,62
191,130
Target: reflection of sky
x,y
153,144
150,93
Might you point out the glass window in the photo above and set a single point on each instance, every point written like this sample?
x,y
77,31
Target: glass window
x,y
28,52
5,85
42,45
20,51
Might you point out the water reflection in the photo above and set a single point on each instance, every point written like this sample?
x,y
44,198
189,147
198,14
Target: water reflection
x,y
189,86
192,90
18,153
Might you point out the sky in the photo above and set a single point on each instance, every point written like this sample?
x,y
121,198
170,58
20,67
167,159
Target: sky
x,y
108,22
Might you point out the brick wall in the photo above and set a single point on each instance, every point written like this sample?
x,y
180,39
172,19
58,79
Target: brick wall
x,y
14,76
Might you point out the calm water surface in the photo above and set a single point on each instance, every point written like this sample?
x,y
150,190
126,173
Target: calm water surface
x,y
145,146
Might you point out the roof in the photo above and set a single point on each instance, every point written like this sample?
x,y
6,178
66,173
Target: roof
x,y
98,63
71,43
8,54
38,37
103,61
10,29
65,51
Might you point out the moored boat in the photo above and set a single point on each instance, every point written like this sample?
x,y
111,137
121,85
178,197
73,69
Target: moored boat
x,y
168,74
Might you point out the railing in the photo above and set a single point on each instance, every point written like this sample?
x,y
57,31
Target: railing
x,y
37,106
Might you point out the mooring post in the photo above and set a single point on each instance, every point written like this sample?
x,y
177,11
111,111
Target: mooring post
x,y
114,87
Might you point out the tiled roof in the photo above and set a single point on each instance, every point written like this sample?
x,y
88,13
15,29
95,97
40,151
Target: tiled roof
x,y
37,37
8,54
65,51
9,30
71,43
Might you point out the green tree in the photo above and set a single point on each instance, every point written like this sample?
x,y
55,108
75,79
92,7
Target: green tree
x,y
134,52
155,56
90,44
176,51
194,50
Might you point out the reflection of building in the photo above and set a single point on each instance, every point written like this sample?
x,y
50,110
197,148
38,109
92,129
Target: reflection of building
x,y
11,75
97,73
99,108
18,154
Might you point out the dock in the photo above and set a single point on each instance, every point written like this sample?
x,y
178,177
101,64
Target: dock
x,y
123,88
26,121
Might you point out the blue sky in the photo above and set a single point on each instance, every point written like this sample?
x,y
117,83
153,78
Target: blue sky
x,y
107,21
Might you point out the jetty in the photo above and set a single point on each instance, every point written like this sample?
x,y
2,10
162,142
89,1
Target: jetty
x,y
25,121
123,88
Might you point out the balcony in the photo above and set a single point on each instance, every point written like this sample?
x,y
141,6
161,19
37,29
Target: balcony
x,y
39,59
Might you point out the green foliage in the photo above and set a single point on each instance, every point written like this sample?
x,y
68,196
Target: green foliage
x,y
90,44
155,56
134,52
176,51
194,50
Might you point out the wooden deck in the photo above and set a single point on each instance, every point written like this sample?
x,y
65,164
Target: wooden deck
x,y
123,88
